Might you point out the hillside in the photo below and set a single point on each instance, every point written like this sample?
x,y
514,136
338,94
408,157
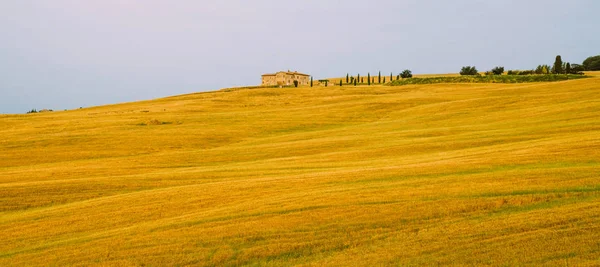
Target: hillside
x,y
468,174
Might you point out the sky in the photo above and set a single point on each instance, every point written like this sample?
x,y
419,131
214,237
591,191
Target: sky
x,y
66,54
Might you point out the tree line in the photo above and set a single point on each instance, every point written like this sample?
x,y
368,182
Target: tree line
x,y
559,67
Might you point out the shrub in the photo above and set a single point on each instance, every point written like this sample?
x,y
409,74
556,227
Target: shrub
x,y
577,69
542,69
526,72
591,63
406,74
295,83
498,70
468,70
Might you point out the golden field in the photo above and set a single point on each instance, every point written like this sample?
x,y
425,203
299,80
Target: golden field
x,y
448,174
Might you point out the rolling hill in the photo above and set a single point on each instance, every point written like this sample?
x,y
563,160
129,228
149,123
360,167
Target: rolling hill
x,y
452,174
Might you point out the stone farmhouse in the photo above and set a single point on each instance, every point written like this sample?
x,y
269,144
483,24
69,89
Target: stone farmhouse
x,y
285,78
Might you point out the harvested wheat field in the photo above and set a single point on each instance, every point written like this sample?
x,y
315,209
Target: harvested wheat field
x,y
449,174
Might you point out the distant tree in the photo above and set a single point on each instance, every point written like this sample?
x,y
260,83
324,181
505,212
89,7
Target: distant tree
x,y
340,83
558,65
355,82
369,78
568,68
406,74
379,78
545,69
383,79
295,83
358,77
32,111
398,77
591,63
346,77
391,76
362,80
577,69
311,81
468,70
498,70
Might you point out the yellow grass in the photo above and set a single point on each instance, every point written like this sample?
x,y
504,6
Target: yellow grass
x,y
461,174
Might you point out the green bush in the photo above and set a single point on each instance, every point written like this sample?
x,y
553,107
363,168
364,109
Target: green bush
x,y
406,74
577,69
498,70
468,70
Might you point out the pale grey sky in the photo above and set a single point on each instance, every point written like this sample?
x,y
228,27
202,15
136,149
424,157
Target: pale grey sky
x,y
65,54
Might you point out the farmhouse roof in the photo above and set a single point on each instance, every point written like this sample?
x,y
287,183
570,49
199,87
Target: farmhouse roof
x,y
286,72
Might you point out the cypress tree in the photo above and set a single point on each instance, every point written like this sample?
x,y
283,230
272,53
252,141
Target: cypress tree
x,y
557,65
362,80
340,83
355,82
379,78
310,81
568,68
369,78
346,77
383,79
391,76
398,77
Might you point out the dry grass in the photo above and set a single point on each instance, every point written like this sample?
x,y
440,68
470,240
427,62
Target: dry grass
x,y
463,174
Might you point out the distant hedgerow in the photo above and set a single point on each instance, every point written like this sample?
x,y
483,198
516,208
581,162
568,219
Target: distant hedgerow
x,y
490,79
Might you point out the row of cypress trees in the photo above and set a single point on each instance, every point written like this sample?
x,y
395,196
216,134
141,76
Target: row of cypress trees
x,y
370,79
